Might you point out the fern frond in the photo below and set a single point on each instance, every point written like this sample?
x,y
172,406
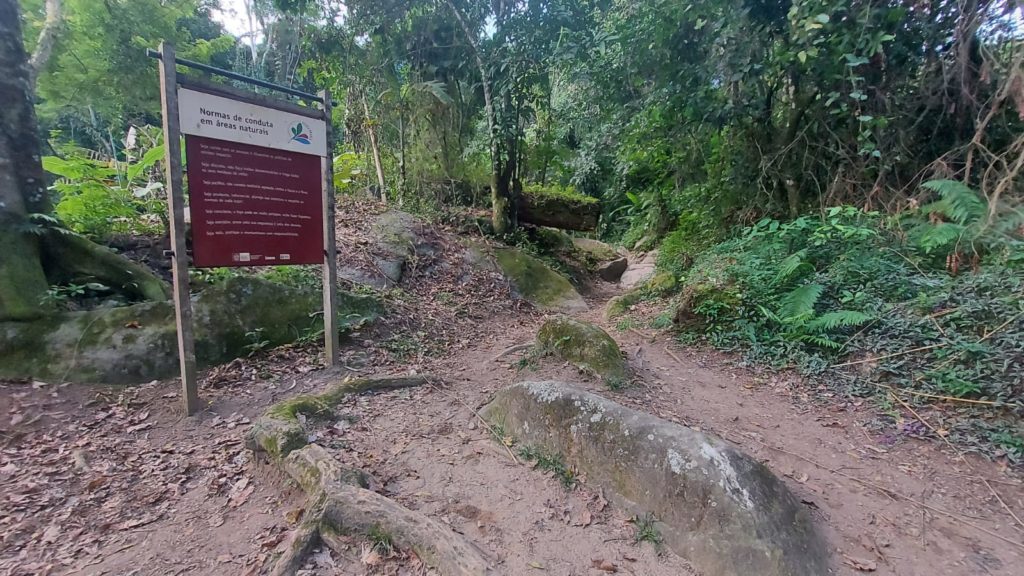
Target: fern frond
x,y
790,266
931,236
800,302
818,340
837,319
959,203
769,314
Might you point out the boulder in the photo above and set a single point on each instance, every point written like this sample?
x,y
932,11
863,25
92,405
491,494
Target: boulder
x,y
595,249
611,271
135,344
717,507
587,347
639,271
531,279
397,237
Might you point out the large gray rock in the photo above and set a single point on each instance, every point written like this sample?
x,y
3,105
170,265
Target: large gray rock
x,y
531,279
135,344
396,239
717,507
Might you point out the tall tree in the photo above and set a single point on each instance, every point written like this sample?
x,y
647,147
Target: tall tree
x,y
22,183
32,253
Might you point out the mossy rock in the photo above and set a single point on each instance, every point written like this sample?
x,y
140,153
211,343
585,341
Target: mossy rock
x,y
536,283
706,290
586,346
660,284
595,249
136,344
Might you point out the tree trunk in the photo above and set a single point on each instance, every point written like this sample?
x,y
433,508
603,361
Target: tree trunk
x,y
47,37
401,152
22,187
32,257
375,149
500,205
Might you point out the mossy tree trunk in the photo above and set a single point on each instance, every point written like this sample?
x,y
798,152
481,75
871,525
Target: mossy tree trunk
x,y
22,187
33,257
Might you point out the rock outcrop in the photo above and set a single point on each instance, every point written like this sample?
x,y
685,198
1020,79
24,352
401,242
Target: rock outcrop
x,y
717,507
136,344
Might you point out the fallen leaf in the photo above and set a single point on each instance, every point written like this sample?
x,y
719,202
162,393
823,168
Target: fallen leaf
x,y
272,541
370,556
50,534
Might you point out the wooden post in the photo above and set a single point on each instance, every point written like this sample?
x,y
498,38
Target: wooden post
x,y
330,247
176,207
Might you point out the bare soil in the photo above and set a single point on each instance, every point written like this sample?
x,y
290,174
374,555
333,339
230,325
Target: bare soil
x,y
97,480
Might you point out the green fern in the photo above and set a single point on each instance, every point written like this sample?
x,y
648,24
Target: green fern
x,y
792,266
799,303
837,319
931,237
819,340
959,203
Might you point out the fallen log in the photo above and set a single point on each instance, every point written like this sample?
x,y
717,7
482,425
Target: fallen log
x,y
565,211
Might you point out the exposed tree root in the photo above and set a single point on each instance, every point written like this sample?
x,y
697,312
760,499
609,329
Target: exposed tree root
x,y
339,498
69,257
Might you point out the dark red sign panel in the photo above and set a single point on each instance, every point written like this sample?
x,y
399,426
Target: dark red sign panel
x,y
253,206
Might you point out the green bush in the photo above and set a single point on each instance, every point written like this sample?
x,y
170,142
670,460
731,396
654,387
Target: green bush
x,y
818,292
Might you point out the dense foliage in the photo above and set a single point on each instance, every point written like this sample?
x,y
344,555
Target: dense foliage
x,y
832,180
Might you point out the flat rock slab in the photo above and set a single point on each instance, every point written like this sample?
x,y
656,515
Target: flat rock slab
x,y
717,507
639,270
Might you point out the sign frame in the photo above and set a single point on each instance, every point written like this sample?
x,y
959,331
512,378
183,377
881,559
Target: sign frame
x,y
169,84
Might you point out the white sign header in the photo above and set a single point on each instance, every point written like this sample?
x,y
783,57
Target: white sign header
x,y
203,114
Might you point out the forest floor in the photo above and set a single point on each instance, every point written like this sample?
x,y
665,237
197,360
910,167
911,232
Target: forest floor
x,y
114,481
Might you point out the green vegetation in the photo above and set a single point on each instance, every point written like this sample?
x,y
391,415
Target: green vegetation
x,y
381,541
645,529
550,462
856,299
833,186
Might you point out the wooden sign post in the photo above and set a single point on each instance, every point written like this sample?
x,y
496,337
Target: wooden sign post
x,y
261,189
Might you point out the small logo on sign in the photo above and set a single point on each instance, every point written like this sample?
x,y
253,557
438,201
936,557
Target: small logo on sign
x,y
299,134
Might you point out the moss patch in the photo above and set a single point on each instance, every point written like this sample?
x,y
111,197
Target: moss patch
x,y
137,343
586,346
536,283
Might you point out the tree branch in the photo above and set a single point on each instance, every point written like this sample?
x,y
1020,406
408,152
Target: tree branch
x,y
47,38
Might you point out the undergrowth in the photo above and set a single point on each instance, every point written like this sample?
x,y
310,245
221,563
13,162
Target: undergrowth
x,y
927,306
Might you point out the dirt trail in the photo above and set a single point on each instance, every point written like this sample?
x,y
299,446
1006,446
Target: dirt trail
x,y
181,496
